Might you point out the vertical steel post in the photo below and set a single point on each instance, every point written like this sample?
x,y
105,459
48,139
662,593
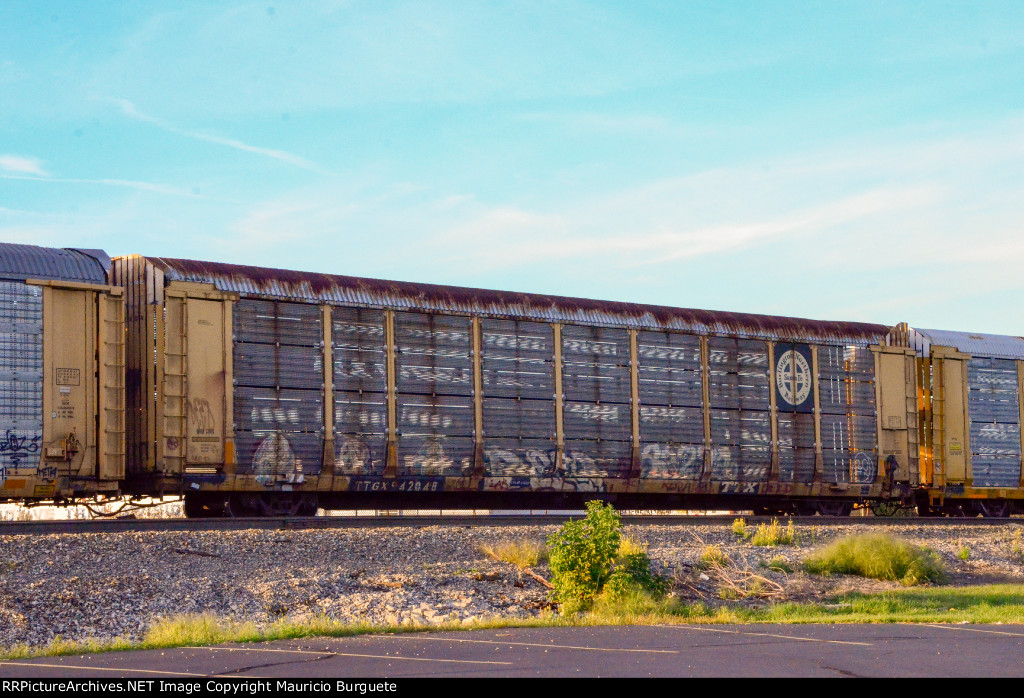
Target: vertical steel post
x,y
705,380
391,466
559,430
327,467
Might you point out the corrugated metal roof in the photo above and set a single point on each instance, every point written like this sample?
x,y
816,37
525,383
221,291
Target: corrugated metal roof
x,y
20,262
974,343
349,290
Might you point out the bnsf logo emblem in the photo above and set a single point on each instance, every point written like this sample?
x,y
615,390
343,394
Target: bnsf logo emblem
x,y
793,376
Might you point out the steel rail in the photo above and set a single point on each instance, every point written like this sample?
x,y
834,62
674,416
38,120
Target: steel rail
x,y
122,525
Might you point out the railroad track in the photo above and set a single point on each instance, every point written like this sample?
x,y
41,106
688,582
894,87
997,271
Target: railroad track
x,y
120,525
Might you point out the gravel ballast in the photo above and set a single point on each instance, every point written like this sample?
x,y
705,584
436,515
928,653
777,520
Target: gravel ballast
x,y
109,585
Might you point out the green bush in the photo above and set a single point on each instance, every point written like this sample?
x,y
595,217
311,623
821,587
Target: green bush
x,y
632,573
589,559
581,555
878,556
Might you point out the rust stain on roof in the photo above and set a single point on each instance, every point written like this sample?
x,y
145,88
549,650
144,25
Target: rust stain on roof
x,y
330,288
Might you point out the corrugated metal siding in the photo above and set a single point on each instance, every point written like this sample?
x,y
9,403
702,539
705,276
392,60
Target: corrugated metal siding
x,y
360,391
20,262
347,290
740,409
671,405
596,415
994,410
434,365
974,343
279,381
21,377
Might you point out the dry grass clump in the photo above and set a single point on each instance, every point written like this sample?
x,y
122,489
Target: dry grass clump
x,y
773,534
879,556
521,553
713,556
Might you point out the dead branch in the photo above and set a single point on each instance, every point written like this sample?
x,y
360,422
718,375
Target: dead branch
x,y
531,573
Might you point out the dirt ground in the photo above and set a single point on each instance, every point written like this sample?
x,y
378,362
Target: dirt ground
x,y
971,554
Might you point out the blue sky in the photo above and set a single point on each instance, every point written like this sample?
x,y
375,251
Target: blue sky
x,y
849,161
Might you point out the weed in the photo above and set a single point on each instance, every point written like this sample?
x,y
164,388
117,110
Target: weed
x,y
713,556
739,528
963,552
521,553
581,556
778,564
773,534
878,556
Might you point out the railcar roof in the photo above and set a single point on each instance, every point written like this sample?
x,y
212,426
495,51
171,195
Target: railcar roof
x,y
350,290
20,262
998,346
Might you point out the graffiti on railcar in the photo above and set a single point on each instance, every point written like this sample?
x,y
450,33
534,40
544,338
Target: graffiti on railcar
x,y
723,467
275,458
529,462
432,459
864,467
200,416
15,447
671,461
579,464
352,456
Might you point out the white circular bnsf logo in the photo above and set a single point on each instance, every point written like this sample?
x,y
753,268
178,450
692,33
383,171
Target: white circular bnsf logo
x,y
793,376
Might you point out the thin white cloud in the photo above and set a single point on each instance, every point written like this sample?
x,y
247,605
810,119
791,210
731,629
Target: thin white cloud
x,y
130,110
130,184
22,164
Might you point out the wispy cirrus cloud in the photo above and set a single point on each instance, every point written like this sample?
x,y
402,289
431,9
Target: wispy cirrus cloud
x,y
126,183
22,164
130,110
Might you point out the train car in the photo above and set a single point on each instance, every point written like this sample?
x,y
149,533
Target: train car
x,y
61,375
259,391
970,407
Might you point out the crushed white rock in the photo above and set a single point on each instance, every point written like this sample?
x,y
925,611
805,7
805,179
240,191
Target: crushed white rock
x,y
109,585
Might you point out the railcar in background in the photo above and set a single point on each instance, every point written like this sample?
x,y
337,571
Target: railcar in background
x,y
969,426
258,391
61,375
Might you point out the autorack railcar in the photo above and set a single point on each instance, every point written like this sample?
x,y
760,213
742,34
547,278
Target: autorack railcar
x,y
258,391
61,375
969,405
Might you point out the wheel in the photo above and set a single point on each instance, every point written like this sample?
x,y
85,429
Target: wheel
x,y
833,508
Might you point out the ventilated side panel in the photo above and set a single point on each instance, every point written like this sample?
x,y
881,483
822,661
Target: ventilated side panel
x,y
671,397
596,417
517,367
434,359
434,354
360,390
21,377
796,446
517,360
740,400
995,422
673,442
849,433
279,379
